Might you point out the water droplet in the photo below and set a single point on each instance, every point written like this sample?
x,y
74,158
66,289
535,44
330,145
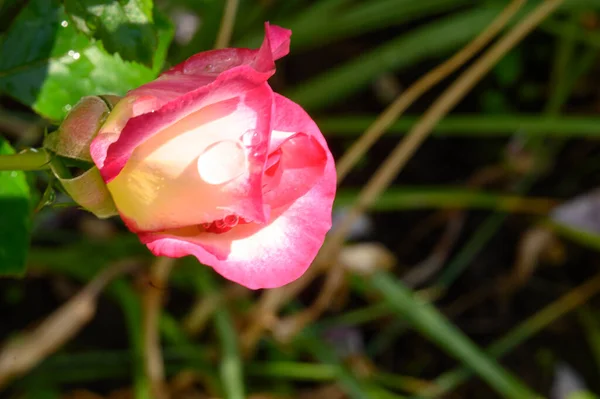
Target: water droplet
x,y
64,24
221,162
13,174
74,54
251,138
67,107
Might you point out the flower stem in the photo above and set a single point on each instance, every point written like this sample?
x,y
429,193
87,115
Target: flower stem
x,y
27,160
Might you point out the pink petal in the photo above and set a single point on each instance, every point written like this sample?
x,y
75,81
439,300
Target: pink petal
x,y
271,255
275,45
305,156
204,78
299,163
126,109
202,168
203,68
231,84
253,255
279,40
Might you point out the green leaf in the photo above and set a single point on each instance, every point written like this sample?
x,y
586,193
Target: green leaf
x,y
125,27
46,64
8,8
15,220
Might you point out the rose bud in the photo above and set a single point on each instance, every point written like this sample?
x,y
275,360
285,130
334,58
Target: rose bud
x,y
208,161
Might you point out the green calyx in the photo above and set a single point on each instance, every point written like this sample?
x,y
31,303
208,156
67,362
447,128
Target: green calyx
x,y
70,143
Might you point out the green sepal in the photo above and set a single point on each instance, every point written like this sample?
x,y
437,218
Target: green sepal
x,y
89,191
75,134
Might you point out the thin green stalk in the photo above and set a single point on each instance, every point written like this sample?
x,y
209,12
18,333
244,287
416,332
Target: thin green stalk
x,y
354,387
568,302
231,363
95,366
449,197
386,337
231,368
27,160
227,24
562,84
442,35
132,309
294,371
565,29
359,316
588,318
425,318
465,256
484,126
368,16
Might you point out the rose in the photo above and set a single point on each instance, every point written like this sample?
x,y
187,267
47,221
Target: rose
x,y
208,161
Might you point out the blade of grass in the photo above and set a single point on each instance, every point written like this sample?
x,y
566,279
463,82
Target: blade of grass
x,y
442,36
426,319
331,20
366,17
131,305
376,15
574,32
231,367
231,362
590,324
404,150
359,316
95,366
454,198
396,160
227,23
484,126
557,309
465,256
562,85
394,110
352,386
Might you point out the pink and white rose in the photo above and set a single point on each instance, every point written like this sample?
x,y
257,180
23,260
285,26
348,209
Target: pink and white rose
x,y
208,161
